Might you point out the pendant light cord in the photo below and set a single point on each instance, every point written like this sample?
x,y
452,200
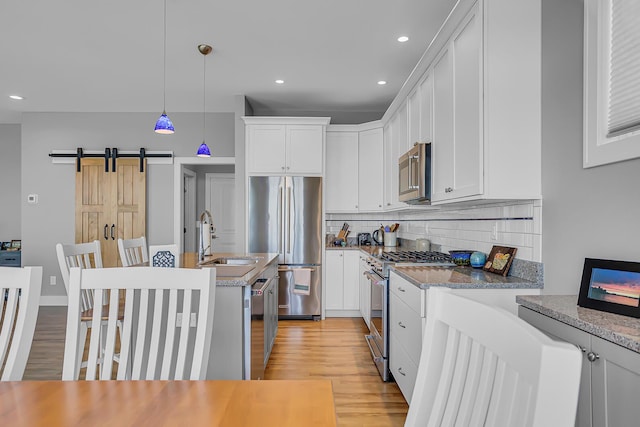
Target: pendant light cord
x,y
204,95
164,63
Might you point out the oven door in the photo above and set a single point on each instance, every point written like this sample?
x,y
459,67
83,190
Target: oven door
x,y
378,339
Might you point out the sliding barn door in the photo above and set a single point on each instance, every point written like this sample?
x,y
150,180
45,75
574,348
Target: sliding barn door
x,y
110,205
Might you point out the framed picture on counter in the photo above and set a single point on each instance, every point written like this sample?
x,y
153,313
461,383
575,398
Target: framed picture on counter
x,y
612,286
500,259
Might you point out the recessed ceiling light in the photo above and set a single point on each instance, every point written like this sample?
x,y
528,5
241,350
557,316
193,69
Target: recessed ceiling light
x,y
18,97
382,82
403,39
280,81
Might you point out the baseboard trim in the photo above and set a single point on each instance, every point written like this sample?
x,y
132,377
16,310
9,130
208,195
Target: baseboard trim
x,y
53,300
343,313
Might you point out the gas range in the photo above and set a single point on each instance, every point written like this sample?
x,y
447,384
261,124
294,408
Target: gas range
x,y
382,262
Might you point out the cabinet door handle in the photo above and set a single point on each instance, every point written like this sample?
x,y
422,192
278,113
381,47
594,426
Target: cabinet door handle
x,y
582,348
401,325
113,228
592,357
106,226
401,373
401,289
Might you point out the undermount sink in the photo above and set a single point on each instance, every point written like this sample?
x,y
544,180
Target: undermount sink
x,y
234,261
231,266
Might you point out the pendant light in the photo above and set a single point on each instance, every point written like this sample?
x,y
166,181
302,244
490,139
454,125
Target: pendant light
x,y
164,125
204,49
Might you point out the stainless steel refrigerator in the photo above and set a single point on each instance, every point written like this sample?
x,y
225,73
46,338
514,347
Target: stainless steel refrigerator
x,y
285,217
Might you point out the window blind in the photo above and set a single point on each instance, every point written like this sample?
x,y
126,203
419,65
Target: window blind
x,y
624,67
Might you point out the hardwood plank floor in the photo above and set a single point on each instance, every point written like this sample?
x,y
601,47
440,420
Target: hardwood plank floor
x,y
332,349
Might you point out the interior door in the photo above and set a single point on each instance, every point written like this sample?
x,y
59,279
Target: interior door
x,y
110,204
220,200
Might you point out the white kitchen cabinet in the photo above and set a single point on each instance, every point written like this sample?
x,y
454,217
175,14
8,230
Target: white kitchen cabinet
x,y
457,145
425,91
341,172
342,285
390,165
285,145
370,163
365,291
610,377
353,182
406,323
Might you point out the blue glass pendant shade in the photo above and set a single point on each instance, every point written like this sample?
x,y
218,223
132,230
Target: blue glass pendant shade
x,y
203,150
164,125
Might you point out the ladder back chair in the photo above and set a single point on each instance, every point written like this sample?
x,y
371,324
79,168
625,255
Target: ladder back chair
x,y
133,251
164,256
86,256
20,291
483,366
152,344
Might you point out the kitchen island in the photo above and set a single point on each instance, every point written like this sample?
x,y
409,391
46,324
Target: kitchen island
x,y
240,344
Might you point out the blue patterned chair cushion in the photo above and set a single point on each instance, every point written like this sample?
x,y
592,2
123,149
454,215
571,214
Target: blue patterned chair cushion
x,y
164,259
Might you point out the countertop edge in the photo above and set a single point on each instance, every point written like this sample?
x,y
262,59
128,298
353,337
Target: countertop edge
x,y
537,304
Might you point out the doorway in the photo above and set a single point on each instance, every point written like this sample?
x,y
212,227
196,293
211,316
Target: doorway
x,y
180,164
189,210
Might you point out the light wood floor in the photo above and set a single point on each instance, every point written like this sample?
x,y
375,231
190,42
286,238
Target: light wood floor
x,y
332,349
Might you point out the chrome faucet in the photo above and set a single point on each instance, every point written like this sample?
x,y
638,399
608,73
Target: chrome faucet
x,y
210,229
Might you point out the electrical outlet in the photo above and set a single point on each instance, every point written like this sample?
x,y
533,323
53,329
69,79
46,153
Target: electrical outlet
x,y
52,280
178,320
494,231
192,321
32,198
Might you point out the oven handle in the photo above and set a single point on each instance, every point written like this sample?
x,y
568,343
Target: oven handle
x,y
368,339
375,279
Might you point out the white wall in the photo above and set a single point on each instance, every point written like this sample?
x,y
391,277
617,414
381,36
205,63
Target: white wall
x,y
52,219
586,212
10,188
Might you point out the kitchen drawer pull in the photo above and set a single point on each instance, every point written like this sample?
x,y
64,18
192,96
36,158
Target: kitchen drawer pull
x,y
113,228
401,373
401,325
106,226
401,289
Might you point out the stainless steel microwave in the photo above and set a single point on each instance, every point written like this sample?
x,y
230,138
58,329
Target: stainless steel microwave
x,y
414,169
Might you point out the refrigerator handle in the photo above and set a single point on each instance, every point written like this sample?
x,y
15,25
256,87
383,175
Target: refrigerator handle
x,y
289,221
280,218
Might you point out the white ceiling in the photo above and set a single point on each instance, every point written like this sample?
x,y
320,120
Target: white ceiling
x,y
91,56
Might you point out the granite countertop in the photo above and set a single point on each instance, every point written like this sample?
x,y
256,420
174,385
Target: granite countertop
x,y
461,278
190,260
621,330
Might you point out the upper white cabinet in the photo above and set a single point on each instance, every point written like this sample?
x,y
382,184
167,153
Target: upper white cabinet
x,y
341,177
476,96
285,145
370,178
354,181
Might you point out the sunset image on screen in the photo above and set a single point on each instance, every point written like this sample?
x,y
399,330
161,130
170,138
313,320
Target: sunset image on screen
x,y
620,287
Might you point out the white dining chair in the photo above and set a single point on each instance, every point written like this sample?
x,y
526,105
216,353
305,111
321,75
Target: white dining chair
x,y
83,255
133,251
164,256
20,291
483,366
152,344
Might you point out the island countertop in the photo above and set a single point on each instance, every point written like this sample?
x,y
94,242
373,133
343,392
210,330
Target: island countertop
x,y
190,260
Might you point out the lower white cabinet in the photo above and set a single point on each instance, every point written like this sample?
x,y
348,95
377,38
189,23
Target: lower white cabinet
x,y
365,291
406,321
610,379
342,284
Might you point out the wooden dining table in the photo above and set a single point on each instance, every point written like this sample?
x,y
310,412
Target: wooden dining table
x,y
167,403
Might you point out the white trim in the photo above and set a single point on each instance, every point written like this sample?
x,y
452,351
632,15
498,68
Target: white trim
x,y
178,163
269,120
376,124
53,300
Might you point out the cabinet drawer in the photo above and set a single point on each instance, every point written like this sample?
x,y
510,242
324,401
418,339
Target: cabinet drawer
x,y
405,325
403,369
406,291
10,258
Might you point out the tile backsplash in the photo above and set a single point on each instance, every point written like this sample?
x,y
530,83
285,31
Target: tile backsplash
x,y
475,228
